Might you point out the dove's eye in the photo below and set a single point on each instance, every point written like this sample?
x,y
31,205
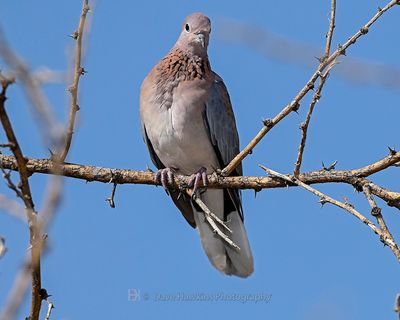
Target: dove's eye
x,y
187,27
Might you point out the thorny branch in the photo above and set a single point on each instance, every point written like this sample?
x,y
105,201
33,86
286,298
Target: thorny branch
x,y
295,103
212,219
53,130
26,197
73,89
317,94
304,125
56,167
383,234
377,213
355,177
329,35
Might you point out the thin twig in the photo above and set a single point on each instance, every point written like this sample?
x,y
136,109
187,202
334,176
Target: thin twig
x,y
6,145
206,210
346,206
10,183
295,103
211,218
50,307
110,200
73,89
329,35
304,126
377,213
27,199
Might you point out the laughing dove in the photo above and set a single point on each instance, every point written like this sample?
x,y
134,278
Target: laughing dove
x,y
189,128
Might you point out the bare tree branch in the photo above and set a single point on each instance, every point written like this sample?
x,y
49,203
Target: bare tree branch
x,y
73,89
212,219
329,35
377,213
355,177
346,206
317,94
24,174
295,104
304,126
57,168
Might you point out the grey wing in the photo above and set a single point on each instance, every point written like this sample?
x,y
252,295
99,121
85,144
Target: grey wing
x,y
154,158
221,126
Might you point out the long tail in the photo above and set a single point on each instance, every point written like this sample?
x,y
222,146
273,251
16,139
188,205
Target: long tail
x,y
220,254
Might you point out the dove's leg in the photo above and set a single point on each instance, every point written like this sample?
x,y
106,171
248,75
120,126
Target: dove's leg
x,y
196,178
166,177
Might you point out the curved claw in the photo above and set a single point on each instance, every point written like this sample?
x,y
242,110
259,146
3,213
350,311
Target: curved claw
x,y
194,181
166,177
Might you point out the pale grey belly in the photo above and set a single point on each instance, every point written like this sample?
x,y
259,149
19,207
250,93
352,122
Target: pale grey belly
x,y
183,143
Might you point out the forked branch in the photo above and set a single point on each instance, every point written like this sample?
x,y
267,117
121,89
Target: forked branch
x,y
295,103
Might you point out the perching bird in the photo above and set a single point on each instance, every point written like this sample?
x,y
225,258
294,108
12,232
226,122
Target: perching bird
x,y
189,128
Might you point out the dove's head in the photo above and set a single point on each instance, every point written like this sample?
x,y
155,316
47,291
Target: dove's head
x,y
195,34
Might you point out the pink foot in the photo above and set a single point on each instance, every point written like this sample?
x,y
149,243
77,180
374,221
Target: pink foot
x,y
197,177
165,177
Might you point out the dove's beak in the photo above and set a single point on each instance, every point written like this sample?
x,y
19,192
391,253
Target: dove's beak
x,y
201,39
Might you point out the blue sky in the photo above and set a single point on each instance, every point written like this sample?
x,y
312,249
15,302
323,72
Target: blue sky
x,y
313,263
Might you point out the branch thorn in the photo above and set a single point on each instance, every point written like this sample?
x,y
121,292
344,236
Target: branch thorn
x,y
392,151
331,167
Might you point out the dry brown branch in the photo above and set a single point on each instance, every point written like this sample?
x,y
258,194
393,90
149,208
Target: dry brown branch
x,y
317,94
329,35
377,213
10,183
26,196
355,177
57,168
305,124
53,194
73,89
295,103
346,206
110,199
207,210
212,219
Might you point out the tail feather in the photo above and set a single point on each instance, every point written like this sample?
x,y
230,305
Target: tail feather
x,y
226,259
